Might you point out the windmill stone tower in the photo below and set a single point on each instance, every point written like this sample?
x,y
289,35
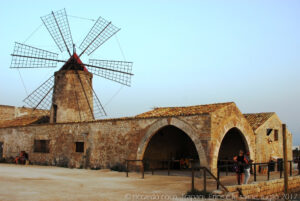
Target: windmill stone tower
x,y
72,99
69,94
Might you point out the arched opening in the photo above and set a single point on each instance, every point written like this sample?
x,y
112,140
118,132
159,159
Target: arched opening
x,y
232,142
169,147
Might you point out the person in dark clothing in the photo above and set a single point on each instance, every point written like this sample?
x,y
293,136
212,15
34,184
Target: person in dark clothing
x,y
240,161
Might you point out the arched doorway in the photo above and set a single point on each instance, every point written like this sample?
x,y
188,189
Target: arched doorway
x,y
169,144
232,142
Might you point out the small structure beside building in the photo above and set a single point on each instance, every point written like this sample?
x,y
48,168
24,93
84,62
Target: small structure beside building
x,y
268,136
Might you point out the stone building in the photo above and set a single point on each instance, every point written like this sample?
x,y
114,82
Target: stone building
x,y
268,131
207,133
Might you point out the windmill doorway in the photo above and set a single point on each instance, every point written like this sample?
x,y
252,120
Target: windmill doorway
x,y
232,142
170,148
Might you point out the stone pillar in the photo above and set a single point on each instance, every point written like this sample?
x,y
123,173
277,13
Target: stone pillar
x,y
72,99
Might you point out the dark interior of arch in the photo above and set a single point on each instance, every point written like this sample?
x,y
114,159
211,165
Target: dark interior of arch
x,y
232,142
169,143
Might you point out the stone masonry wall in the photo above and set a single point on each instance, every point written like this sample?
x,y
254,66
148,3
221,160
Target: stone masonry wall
x,y
266,188
73,97
106,142
266,146
221,122
109,142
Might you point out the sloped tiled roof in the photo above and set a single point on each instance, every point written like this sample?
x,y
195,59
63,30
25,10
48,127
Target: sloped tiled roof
x,y
257,119
182,111
24,120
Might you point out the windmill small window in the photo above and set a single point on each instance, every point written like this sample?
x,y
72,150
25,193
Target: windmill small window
x,y
69,94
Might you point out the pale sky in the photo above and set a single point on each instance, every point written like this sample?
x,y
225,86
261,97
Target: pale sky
x,y
187,52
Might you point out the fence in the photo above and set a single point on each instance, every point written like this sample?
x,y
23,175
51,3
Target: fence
x,y
257,167
206,172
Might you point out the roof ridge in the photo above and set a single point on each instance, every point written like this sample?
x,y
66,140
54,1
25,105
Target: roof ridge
x,y
260,113
185,110
194,105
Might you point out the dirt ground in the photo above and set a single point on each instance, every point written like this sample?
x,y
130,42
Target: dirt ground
x,y
18,182
32,183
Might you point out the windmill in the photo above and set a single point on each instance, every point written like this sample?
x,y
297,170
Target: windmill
x,y
69,94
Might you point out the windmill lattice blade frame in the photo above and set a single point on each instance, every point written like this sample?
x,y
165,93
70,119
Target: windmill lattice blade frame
x,y
92,100
25,56
117,71
58,26
99,34
41,98
98,109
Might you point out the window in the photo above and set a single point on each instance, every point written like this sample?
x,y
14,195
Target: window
x,y
41,146
269,131
80,147
275,135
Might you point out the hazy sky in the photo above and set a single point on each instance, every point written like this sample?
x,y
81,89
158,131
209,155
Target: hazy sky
x,y
184,53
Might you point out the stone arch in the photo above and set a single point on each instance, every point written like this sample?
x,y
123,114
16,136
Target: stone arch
x,y
186,128
232,123
233,137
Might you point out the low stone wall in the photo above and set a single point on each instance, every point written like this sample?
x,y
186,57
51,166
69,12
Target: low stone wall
x,y
265,188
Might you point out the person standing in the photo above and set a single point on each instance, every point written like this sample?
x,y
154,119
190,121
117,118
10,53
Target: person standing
x,y
240,162
248,162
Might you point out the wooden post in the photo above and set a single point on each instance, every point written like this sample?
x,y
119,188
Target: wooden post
x,y
126,168
226,168
193,175
254,172
204,180
218,178
143,172
298,166
281,167
285,162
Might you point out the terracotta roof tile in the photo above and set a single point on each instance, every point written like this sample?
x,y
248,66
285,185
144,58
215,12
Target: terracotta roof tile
x,y
257,119
24,120
182,111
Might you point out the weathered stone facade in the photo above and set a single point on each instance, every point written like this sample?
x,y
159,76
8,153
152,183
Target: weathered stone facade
x,y
269,147
270,190
111,141
72,97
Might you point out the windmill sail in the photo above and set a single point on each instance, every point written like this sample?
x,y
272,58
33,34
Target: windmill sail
x,y
73,92
41,98
58,26
87,96
25,56
118,71
100,32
